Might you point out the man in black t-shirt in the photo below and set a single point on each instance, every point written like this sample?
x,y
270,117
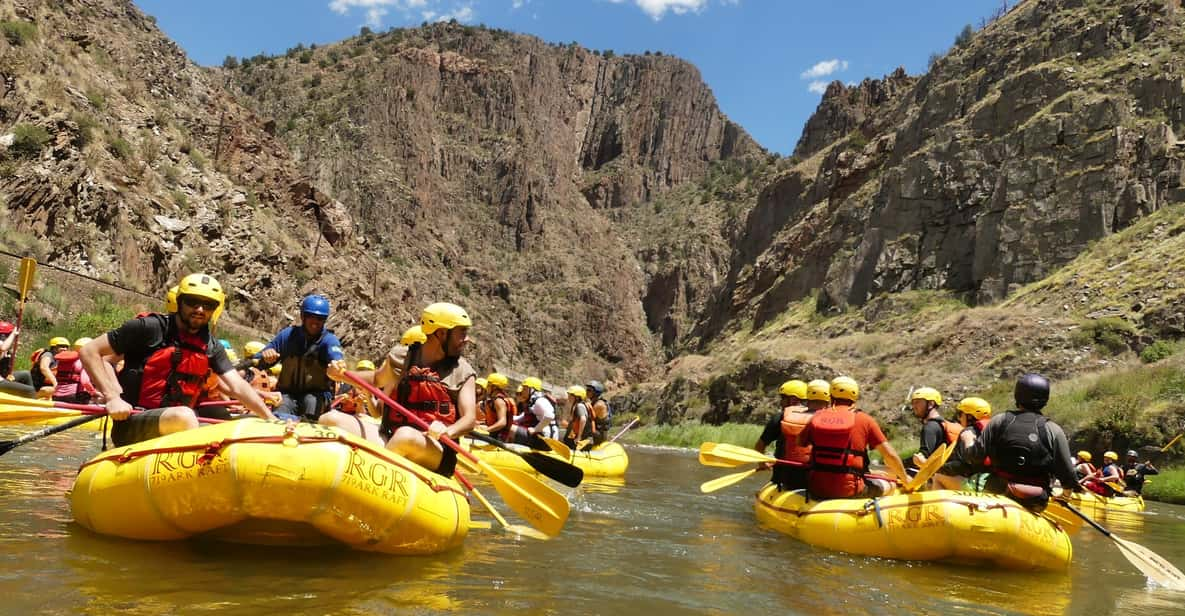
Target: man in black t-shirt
x,y
167,360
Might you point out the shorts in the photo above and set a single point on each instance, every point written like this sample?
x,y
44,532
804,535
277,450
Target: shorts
x,y
139,427
307,406
448,462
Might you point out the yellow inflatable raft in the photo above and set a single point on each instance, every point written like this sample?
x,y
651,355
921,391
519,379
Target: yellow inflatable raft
x,y
260,482
962,527
1090,503
604,460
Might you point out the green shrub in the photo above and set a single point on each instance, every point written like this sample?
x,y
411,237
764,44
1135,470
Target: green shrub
x,y
1167,487
28,140
18,32
120,148
197,159
87,126
1109,334
1157,351
306,57
693,433
96,99
179,198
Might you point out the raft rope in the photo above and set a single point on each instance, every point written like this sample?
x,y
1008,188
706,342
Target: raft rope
x,y
214,449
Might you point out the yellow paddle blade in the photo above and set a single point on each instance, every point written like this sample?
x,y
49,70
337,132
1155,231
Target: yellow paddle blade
x,y
540,505
1172,442
1151,564
729,456
517,529
926,471
6,397
723,482
12,413
480,525
558,447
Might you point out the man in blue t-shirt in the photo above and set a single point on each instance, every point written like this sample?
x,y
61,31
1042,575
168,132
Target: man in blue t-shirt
x,y
305,352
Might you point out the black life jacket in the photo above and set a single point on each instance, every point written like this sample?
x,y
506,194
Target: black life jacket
x,y
1023,449
171,373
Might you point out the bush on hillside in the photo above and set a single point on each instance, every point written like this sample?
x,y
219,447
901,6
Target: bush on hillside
x,y
1109,334
1157,351
28,139
18,32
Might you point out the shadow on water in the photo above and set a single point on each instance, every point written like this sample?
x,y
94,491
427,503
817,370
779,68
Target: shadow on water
x,y
649,545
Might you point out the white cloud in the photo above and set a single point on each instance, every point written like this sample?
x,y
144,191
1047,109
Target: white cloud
x,y
518,4
824,68
376,10
657,8
818,87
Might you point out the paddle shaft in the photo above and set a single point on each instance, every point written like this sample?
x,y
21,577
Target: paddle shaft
x,y
410,416
85,409
1166,447
28,267
8,446
623,430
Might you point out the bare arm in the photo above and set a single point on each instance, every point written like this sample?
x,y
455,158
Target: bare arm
x,y
242,391
43,363
103,376
466,409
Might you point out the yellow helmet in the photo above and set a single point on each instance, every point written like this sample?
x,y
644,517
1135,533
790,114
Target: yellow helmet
x,y
818,389
927,393
845,388
1084,456
1110,455
81,342
203,286
275,369
794,388
975,407
578,391
364,364
232,356
253,347
171,299
482,383
443,315
498,380
59,341
533,382
412,336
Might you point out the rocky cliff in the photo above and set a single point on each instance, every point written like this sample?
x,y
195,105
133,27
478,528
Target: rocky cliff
x,y
1052,128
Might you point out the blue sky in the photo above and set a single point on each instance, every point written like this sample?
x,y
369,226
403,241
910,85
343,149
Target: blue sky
x,y
766,60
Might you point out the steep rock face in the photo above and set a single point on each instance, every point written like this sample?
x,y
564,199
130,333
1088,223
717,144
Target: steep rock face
x,y
844,109
492,164
996,168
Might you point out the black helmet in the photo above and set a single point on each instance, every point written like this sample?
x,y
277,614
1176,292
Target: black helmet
x,y
596,387
1032,392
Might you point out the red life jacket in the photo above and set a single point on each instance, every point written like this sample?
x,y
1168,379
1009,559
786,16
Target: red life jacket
x,y
422,392
492,414
794,420
67,368
173,373
837,471
485,411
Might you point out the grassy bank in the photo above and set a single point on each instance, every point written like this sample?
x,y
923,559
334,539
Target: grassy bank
x,y
1167,487
692,434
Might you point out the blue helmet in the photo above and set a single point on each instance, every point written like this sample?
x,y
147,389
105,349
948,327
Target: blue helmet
x,y
225,343
316,305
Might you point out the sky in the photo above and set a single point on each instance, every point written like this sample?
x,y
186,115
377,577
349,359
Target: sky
x,y
767,61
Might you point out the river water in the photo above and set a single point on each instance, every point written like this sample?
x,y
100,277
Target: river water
x,y
652,545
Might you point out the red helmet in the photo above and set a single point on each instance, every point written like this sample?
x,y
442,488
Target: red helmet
x,y
6,327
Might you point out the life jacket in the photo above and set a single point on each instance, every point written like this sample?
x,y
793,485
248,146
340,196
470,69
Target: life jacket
x,y
172,373
794,419
528,419
422,392
259,379
67,369
305,372
586,431
492,414
1024,449
35,367
836,469
951,428
485,412
602,424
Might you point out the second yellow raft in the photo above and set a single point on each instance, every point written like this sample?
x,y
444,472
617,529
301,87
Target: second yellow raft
x,y
604,460
945,525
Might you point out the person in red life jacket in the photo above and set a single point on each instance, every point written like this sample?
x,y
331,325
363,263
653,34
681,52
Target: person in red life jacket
x,y
539,416
8,335
71,376
1026,449
840,437
974,414
480,386
1107,478
499,406
1082,466
354,400
167,359
927,404
580,424
305,351
435,382
784,427
44,370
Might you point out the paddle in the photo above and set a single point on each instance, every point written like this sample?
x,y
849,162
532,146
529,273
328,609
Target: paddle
x,y
1148,562
560,470
723,482
1172,442
937,458
28,268
50,411
726,455
546,509
558,447
7,446
517,529
627,427
1066,520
